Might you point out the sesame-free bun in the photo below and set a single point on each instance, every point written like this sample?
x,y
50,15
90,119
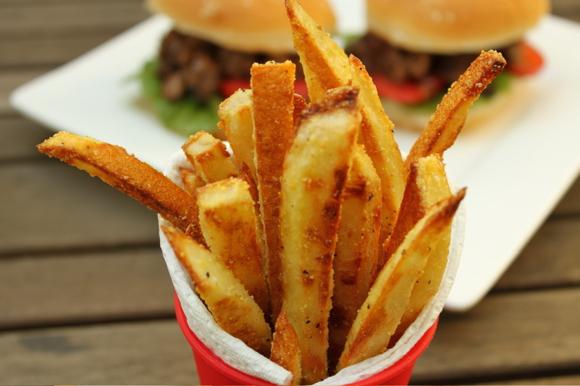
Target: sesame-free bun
x,y
453,26
243,25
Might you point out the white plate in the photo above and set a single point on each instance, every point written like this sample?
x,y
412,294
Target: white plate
x,y
516,169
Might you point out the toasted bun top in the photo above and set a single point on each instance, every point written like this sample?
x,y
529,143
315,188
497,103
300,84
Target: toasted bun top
x,y
244,25
453,26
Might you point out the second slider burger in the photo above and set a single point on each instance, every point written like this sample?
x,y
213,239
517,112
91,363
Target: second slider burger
x,y
415,49
208,54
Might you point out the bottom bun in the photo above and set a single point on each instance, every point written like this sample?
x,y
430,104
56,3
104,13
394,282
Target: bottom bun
x,y
412,118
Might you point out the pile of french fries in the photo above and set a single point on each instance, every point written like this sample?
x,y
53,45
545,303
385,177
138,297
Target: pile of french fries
x,y
314,224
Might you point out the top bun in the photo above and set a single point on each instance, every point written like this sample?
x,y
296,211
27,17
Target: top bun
x,y
243,25
453,26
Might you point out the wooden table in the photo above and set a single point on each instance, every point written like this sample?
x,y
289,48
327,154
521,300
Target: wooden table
x,y
69,314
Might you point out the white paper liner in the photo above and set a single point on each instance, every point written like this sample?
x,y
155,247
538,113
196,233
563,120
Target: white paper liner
x,y
235,352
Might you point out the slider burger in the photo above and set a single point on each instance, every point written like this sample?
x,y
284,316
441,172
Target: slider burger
x,y
208,54
415,49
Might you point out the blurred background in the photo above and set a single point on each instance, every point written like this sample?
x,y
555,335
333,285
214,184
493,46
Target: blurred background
x,y
84,294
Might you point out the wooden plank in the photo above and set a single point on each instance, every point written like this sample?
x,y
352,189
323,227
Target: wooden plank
x,y
19,137
91,287
553,380
12,78
570,203
126,353
569,9
550,258
506,334
48,205
19,21
48,50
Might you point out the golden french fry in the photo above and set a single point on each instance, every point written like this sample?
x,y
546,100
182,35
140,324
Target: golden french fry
x,y
235,114
377,136
232,307
229,224
448,119
114,166
315,172
209,157
389,296
286,348
273,101
427,185
324,63
357,248
191,180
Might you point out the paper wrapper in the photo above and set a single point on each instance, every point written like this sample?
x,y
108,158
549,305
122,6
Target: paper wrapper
x,y
235,353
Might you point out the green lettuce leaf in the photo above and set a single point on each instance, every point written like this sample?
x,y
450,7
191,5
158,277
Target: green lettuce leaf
x,y
185,116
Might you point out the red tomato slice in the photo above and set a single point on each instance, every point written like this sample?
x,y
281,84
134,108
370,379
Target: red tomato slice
x,y
408,92
230,86
530,61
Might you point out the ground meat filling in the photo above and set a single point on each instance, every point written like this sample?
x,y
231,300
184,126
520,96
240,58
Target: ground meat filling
x,y
401,65
189,66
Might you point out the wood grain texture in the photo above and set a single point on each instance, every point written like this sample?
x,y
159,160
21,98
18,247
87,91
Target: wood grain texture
x,y
47,205
549,260
19,138
92,287
124,353
573,379
506,334
570,203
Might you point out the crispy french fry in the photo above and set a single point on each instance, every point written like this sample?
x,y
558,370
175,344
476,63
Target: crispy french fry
x,y
427,185
324,63
449,117
191,180
229,224
235,114
232,307
286,348
389,296
209,157
273,101
357,248
377,136
315,172
114,166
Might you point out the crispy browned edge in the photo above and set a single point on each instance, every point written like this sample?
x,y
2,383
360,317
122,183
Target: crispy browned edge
x,y
273,112
286,348
375,321
449,117
234,326
315,368
412,214
114,166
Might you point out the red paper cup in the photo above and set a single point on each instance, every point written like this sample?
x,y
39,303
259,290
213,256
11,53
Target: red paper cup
x,y
213,371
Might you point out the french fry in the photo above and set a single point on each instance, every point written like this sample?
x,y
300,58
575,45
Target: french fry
x,y
315,173
114,166
357,248
377,136
324,63
232,307
229,224
236,121
286,348
209,157
273,102
389,296
449,117
191,180
235,114
427,185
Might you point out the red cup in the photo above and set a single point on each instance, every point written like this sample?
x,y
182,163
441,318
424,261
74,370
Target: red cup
x,y
213,371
